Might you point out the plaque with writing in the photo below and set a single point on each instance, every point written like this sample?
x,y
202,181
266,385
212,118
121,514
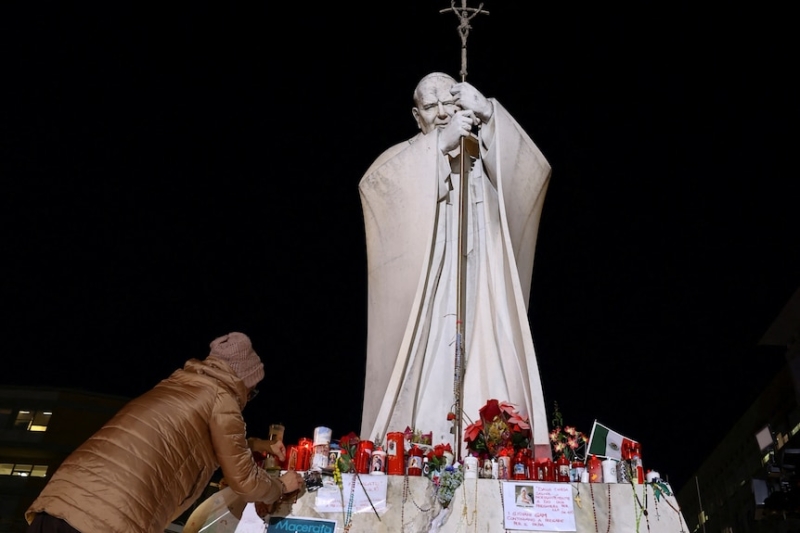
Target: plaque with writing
x,y
536,506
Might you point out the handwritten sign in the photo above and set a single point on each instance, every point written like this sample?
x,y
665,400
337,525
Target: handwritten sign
x,y
530,506
330,500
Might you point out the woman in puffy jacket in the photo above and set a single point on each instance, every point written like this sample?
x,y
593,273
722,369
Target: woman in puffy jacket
x,y
155,457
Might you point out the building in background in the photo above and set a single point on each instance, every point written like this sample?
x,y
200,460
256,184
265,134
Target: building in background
x,y
39,428
751,482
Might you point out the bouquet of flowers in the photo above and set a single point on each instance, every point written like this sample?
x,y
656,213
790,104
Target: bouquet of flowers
x,y
499,431
439,457
566,440
416,436
449,481
346,463
347,460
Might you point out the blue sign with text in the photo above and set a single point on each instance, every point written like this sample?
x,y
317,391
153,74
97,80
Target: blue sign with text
x,y
291,524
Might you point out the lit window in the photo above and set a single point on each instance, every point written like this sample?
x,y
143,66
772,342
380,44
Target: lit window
x,y
40,421
32,420
23,420
23,470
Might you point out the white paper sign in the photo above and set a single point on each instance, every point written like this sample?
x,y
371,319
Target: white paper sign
x,y
538,506
329,498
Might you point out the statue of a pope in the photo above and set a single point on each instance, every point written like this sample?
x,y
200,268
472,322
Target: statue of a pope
x,y
410,203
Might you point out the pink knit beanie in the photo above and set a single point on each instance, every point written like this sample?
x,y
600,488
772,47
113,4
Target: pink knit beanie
x,y
237,350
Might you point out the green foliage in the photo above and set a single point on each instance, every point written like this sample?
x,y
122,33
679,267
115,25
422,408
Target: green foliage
x,y
449,481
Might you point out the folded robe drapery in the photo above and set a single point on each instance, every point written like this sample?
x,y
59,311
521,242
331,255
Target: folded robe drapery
x,y
408,203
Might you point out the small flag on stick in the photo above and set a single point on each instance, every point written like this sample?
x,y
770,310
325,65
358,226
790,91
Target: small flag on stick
x,y
605,442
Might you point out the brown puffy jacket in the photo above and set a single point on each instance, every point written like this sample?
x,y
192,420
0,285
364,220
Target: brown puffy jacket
x,y
150,462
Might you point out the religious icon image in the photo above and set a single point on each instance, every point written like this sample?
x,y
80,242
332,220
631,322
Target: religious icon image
x,y
524,495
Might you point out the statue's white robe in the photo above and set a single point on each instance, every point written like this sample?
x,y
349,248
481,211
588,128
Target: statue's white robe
x,y
410,202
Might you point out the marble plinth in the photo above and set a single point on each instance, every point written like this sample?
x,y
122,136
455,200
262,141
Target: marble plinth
x,y
476,507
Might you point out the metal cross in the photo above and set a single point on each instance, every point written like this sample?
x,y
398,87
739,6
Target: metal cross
x,y
464,14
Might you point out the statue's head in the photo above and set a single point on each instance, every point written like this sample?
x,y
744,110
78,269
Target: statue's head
x,y
433,103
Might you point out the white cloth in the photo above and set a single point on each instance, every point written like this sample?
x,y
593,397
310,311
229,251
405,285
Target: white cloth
x,y
410,203
251,522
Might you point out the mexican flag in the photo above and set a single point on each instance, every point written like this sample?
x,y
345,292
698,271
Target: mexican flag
x,y
605,442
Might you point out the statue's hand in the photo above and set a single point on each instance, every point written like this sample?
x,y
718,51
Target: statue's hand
x,y
468,97
460,125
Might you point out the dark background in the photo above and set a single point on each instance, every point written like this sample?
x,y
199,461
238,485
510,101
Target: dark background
x,y
171,174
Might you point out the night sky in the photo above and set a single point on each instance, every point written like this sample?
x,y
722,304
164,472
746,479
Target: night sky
x,y
172,174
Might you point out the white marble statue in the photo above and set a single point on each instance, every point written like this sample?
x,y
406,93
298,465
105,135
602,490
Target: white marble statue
x,y
410,203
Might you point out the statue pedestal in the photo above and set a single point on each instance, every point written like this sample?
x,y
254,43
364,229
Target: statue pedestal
x,y
478,507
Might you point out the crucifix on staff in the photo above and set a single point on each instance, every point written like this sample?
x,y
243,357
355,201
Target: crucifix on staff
x,y
465,14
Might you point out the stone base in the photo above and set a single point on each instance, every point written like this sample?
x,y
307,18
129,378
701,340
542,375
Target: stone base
x,y
476,507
